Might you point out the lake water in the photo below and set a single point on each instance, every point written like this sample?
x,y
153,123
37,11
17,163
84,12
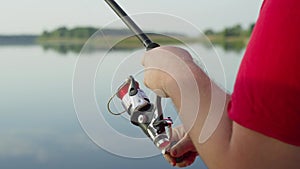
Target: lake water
x,y
39,126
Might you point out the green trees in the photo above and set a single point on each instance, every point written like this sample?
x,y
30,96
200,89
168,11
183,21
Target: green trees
x,y
234,31
80,33
230,38
209,32
65,33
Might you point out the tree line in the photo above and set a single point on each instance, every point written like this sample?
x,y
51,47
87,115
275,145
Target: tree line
x,y
80,33
234,31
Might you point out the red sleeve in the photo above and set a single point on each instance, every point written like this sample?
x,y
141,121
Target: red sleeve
x,y
266,95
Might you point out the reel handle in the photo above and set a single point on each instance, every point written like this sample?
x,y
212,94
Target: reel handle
x,y
170,144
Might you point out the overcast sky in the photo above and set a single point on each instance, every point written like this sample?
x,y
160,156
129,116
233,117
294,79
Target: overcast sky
x,y
34,16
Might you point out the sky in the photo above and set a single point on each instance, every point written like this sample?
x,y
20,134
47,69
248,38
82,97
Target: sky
x,y
35,16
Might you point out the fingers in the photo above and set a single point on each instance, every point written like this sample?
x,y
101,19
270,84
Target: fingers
x,y
170,159
178,133
153,79
182,146
153,75
187,159
164,66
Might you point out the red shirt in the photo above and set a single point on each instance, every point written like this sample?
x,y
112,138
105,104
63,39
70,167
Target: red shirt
x,y
266,95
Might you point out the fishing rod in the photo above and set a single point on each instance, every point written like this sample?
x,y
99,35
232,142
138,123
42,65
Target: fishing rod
x,y
145,40
143,113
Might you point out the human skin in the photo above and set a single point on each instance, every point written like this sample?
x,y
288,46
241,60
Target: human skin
x,y
231,146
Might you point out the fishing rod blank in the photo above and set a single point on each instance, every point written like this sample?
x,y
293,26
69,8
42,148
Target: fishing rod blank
x,y
146,41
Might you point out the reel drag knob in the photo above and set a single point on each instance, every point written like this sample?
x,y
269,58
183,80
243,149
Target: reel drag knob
x,y
142,118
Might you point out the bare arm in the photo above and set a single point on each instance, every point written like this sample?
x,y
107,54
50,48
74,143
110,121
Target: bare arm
x,y
231,145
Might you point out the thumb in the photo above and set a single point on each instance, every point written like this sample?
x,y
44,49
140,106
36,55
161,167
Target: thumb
x,y
182,146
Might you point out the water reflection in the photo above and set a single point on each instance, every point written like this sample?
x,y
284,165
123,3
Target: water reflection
x,y
100,42
63,48
39,127
235,46
230,46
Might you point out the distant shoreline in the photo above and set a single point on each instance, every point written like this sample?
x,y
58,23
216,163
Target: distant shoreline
x,y
64,40
123,38
18,39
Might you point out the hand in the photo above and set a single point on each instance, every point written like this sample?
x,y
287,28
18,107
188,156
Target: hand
x,y
162,66
167,68
183,149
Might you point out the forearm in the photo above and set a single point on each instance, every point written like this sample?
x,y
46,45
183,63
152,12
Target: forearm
x,y
230,146
212,100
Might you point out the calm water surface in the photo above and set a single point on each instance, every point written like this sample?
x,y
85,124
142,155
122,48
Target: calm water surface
x,y
39,126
